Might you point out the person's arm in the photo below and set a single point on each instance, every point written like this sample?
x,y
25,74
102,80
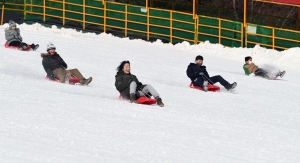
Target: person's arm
x,y
205,72
19,35
9,35
47,68
246,70
121,84
191,73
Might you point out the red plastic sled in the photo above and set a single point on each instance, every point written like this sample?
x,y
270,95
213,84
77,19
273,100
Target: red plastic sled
x,y
212,88
72,80
16,47
143,100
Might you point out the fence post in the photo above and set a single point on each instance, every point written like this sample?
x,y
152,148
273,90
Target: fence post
x,y
83,14
64,12
44,14
196,31
126,19
2,16
219,30
104,16
148,26
246,35
273,38
171,26
242,34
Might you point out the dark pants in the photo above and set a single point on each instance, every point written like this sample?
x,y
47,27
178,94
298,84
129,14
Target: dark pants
x,y
261,72
17,43
212,80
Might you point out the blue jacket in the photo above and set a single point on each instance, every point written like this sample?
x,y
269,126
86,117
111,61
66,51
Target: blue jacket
x,y
193,71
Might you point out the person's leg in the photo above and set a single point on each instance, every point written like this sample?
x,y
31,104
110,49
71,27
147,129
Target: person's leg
x,y
60,73
76,73
261,72
132,87
198,81
149,90
219,79
14,43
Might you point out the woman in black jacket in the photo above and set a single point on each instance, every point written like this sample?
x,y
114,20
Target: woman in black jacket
x,y
130,87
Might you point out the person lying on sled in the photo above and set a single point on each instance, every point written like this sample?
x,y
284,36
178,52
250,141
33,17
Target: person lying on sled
x,y
129,86
56,67
251,69
199,76
13,37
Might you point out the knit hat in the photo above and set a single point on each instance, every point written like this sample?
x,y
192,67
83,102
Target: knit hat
x,y
12,23
247,58
199,57
50,46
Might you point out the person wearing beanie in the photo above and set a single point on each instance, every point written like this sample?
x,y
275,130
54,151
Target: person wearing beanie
x,y
13,37
251,69
56,67
200,77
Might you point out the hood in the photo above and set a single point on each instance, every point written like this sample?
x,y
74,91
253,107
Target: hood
x,y
7,28
47,55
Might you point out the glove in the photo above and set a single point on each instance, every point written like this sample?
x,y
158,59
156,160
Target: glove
x,y
201,73
52,77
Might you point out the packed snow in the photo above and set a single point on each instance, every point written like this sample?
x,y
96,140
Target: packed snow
x,y
44,121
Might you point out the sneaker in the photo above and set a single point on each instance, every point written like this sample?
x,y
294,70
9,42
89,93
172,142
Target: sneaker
x,y
132,98
231,86
205,83
84,81
282,74
159,102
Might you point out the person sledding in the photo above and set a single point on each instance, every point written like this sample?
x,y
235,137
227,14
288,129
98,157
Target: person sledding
x,y
130,88
13,37
200,77
56,67
251,69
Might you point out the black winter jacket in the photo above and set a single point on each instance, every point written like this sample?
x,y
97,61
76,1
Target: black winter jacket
x,y
193,71
52,62
123,83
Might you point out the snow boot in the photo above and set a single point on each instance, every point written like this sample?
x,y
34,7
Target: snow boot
x,y
231,86
205,83
84,81
132,98
159,102
34,47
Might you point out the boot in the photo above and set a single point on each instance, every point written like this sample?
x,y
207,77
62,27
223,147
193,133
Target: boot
x,y
132,98
205,83
159,102
34,47
84,81
231,86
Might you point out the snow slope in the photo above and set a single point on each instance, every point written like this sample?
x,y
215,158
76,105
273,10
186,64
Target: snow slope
x,y
43,121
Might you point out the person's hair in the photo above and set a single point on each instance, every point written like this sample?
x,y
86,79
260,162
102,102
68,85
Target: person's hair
x,y
247,58
120,68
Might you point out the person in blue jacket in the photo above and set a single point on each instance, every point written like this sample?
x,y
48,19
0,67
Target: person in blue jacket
x,y
200,77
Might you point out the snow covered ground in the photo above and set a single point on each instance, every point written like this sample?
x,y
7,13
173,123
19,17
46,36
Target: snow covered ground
x,y
43,121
